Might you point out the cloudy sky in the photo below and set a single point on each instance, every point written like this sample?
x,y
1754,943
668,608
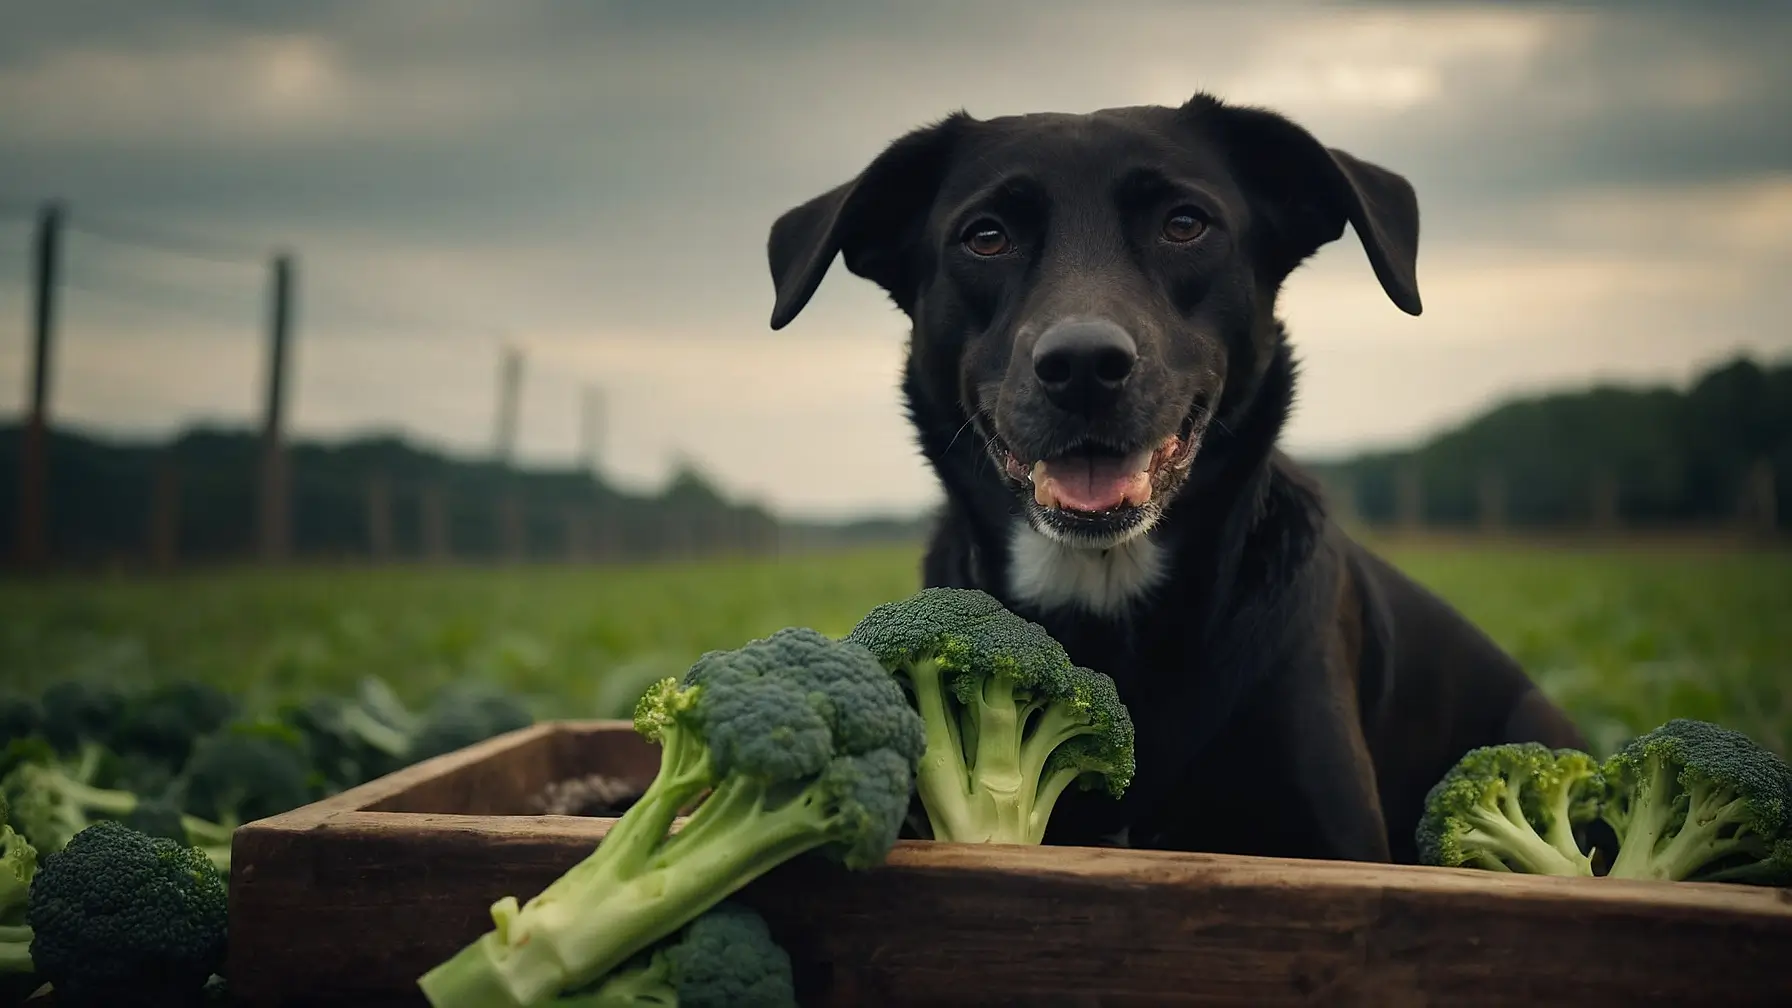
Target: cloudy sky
x,y
1606,190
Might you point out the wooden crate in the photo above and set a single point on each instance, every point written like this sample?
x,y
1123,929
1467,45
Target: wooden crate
x,y
349,900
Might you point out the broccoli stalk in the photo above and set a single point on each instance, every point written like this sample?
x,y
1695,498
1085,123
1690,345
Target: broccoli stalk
x,y
18,865
724,959
1011,722
1691,801
1511,808
802,742
51,804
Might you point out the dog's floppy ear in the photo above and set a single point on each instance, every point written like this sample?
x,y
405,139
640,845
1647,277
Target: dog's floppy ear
x,y
873,222
1308,191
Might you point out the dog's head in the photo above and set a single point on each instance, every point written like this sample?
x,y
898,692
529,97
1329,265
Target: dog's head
x,y
1091,292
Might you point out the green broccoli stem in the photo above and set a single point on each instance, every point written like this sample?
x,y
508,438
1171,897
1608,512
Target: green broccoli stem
x,y
15,949
942,780
1647,820
1049,790
92,799
1560,832
591,928
509,966
1698,842
205,833
1001,792
114,804
1509,834
630,987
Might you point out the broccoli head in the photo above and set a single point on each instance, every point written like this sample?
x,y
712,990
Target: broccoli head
x,y
726,958
248,771
789,744
163,723
1011,722
463,716
1512,808
119,918
79,719
20,717
1692,801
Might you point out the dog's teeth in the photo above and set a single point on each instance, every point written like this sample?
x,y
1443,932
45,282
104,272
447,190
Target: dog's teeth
x,y
1042,494
1038,471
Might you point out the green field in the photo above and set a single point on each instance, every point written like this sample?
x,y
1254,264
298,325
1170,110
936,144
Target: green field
x,y
1625,637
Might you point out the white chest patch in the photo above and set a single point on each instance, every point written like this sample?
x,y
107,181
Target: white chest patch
x,y
1054,575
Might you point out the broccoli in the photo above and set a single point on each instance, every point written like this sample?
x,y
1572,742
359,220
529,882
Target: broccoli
x,y
18,863
120,918
248,771
20,717
1011,722
801,743
1512,808
50,804
723,959
463,716
79,719
353,741
162,724
1691,801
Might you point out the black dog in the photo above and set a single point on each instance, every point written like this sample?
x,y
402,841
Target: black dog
x,y
1099,378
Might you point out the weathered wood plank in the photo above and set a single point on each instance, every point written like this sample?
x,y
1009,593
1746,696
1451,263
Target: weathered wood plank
x,y
350,906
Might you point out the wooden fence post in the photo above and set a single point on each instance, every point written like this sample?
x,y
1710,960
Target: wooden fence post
x,y
512,528
437,543
275,525
1606,516
1410,498
1760,499
1493,500
164,513
34,510
379,515
577,525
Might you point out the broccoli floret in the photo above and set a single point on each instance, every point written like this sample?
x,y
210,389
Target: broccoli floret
x,y
1512,808
120,918
1011,722
801,743
18,863
80,719
20,717
164,723
726,958
1692,801
248,771
464,716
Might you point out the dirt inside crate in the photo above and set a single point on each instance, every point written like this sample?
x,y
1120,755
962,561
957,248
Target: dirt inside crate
x,y
589,795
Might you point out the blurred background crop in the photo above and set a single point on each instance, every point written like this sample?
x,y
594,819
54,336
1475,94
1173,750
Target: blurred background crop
x,y
428,339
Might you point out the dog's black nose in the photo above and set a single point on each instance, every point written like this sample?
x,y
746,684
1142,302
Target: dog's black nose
x,y
1083,365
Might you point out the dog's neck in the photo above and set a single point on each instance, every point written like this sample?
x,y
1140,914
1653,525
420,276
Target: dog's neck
x,y
1221,501
1103,582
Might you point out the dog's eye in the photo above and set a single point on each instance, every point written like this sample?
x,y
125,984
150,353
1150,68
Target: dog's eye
x,y
1184,225
986,238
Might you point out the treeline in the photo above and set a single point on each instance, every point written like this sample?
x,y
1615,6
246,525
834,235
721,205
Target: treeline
x,y
195,500
1716,454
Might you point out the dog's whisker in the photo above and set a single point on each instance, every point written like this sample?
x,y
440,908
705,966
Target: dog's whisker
x,y
961,429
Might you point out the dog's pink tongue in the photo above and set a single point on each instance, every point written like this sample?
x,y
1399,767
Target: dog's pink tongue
x,y
1092,484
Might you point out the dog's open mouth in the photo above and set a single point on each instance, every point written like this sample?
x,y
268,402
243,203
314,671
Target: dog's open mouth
x,y
1096,481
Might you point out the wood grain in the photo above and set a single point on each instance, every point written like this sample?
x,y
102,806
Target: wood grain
x,y
347,904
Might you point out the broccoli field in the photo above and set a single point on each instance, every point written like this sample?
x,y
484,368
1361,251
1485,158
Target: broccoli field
x,y
1625,636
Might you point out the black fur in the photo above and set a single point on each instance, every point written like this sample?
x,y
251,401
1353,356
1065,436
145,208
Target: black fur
x,y
1294,694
